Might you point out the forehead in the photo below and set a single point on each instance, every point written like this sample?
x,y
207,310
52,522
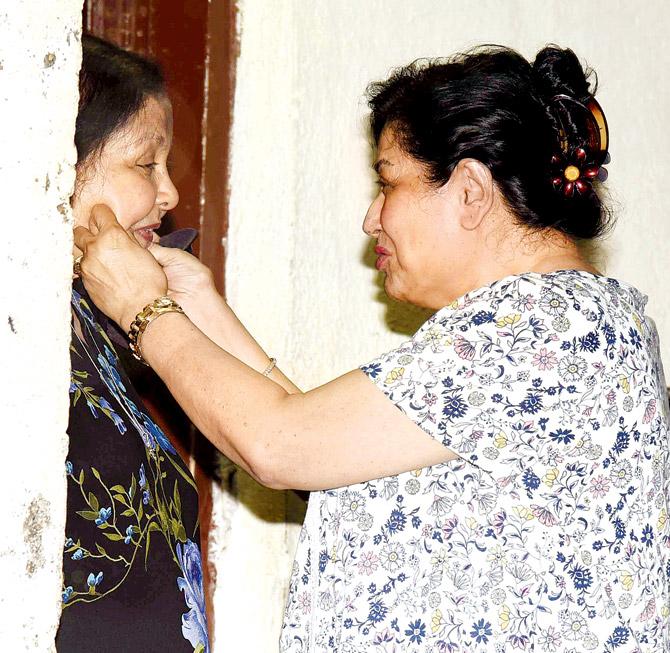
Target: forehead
x,y
150,126
391,159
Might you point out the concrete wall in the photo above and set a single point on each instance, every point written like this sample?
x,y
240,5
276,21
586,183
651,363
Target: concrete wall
x,y
40,54
298,269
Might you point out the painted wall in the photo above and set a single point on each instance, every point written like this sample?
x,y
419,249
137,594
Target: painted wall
x,y
40,54
299,268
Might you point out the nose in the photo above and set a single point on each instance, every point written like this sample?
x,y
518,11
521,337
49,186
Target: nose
x,y
372,222
168,196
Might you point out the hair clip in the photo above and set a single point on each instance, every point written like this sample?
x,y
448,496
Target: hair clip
x,y
576,169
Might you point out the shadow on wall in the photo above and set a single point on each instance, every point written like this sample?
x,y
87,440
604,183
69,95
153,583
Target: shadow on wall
x,y
270,506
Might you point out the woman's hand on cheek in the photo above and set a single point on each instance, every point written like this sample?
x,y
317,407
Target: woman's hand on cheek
x,y
120,276
187,278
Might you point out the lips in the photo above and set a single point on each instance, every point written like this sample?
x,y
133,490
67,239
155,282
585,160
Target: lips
x,y
145,235
382,256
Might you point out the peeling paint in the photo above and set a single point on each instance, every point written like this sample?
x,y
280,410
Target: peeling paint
x,y
37,519
49,60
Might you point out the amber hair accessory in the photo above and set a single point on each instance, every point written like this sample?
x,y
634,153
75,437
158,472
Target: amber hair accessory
x,y
144,318
575,169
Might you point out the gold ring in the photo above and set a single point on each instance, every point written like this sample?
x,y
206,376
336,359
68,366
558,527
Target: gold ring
x,y
76,267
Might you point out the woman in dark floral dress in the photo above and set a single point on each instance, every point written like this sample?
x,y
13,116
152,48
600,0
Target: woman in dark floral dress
x,y
132,567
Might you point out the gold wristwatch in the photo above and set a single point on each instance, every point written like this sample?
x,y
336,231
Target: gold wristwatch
x,y
148,314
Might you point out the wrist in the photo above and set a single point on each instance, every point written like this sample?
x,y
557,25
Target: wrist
x,y
153,311
134,308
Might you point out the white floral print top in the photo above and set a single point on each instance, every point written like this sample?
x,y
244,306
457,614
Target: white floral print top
x,y
550,532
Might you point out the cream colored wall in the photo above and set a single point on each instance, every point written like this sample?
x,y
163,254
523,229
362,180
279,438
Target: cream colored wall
x,y
40,54
298,270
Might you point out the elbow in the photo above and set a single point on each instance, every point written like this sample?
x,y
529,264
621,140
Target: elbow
x,y
266,465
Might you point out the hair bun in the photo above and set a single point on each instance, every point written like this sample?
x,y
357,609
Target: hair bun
x,y
557,71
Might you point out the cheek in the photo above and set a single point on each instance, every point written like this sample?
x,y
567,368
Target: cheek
x,y
131,196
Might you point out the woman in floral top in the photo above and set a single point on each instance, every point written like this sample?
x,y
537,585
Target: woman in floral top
x,y
132,575
499,481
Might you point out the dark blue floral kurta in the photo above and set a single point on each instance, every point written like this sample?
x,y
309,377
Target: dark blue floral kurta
x,y
132,567
550,532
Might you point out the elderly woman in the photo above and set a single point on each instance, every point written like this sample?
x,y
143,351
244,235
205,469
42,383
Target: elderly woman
x,y
498,481
132,577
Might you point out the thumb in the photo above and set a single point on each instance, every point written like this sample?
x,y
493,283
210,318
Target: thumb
x,y
165,255
102,217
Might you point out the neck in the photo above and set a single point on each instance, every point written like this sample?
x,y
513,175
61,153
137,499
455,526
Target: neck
x,y
520,251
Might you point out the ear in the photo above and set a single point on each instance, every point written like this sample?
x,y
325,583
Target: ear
x,y
477,192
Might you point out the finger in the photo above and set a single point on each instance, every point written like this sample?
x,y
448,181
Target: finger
x,y
165,255
83,238
102,218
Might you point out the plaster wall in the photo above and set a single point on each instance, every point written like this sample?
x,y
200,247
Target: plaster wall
x,y
299,269
40,55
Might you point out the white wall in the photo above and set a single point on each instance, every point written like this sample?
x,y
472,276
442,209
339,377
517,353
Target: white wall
x,y
296,271
40,56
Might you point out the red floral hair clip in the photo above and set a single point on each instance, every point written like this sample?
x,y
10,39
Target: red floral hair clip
x,y
575,169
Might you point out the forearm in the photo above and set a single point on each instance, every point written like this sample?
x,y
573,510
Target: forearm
x,y
228,401
212,315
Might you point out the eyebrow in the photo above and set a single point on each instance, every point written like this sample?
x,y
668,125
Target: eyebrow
x,y
381,163
159,139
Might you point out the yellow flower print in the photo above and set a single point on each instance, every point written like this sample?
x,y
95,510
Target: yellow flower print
x,y
638,323
471,522
524,512
510,319
500,440
626,580
503,615
550,477
394,375
662,520
623,382
436,621
665,611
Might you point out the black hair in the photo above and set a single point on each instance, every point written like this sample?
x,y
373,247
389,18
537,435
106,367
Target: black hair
x,y
114,85
492,105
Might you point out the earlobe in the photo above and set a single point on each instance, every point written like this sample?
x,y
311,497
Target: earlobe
x,y
478,192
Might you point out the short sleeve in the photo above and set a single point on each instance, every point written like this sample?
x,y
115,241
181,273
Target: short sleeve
x,y
486,377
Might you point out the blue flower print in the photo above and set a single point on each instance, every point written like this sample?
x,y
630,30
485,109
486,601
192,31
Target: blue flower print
x,y
563,436
155,434
78,554
69,469
129,535
82,308
416,631
481,631
372,370
69,542
103,516
531,480
581,577
93,581
143,476
146,497
67,593
110,376
483,317
194,622
647,535
618,637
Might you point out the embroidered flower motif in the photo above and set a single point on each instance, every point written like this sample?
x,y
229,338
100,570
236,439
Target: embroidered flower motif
x,y
194,622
